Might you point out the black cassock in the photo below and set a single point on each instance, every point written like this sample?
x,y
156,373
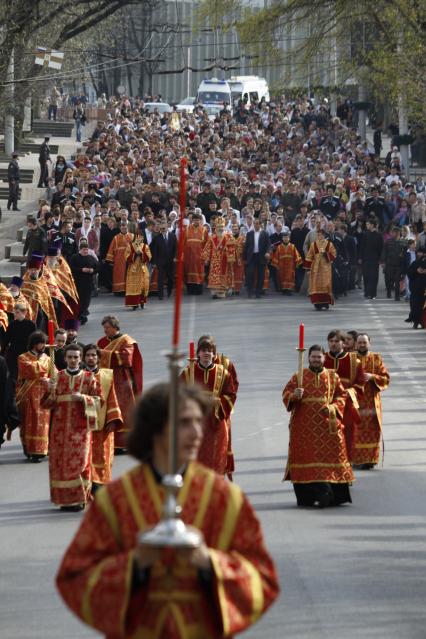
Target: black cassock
x,y
8,412
16,343
84,281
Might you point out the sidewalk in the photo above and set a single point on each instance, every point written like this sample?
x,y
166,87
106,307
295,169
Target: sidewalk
x,y
13,221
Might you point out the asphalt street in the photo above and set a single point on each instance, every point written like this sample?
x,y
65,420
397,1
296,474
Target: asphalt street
x,y
355,571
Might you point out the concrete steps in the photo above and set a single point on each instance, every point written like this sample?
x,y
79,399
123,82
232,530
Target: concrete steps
x,y
41,128
29,147
26,175
4,193
14,262
13,252
10,269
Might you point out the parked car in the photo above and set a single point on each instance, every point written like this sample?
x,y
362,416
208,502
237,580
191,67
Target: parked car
x,y
187,104
160,107
212,110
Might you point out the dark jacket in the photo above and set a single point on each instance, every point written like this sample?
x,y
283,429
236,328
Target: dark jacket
x,y
8,412
298,237
394,254
163,251
371,247
330,206
417,280
264,246
351,249
125,197
13,173
67,244
106,237
35,242
44,153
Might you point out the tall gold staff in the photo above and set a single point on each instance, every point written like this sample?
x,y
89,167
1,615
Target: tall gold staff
x,y
301,349
171,531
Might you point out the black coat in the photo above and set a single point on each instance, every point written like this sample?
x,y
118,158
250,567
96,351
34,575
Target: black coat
x,y
417,280
298,237
351,249
371,247
16,342
8,412
106,237
264,246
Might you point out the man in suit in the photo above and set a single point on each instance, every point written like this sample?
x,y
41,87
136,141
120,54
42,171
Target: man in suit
x,y
256,255
163,250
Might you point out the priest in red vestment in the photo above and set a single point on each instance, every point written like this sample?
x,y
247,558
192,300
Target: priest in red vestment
x,y
74,397
217,381
121,353
117,257
318,464
125,590
33,372
216,254
368,435
349,369
109,419
194,241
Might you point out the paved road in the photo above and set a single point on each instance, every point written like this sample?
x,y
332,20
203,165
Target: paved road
x,y
356,571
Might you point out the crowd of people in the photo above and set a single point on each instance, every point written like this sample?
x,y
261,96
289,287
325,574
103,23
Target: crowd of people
x,y
276,194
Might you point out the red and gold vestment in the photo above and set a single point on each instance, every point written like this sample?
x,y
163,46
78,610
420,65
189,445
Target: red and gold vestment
x,y
217,381
109,419
33,372
123,356
117,256
317,448
318,261
286,259
73,421
351,374
194,242
368,432
95,577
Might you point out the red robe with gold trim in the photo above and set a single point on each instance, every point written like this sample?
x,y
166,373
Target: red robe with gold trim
x,y
33,372
38,296
137,255
318,261
109,419
6,299
286,259
317,448
351,374
71,437
217,381
117,256
216,254
236,267
368,433
230,367
95,577
194,242
123,356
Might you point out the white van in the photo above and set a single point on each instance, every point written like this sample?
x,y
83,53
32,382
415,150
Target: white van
x,y
214,92
248,88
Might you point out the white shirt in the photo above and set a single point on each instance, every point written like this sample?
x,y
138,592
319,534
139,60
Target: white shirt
x,y
256,242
